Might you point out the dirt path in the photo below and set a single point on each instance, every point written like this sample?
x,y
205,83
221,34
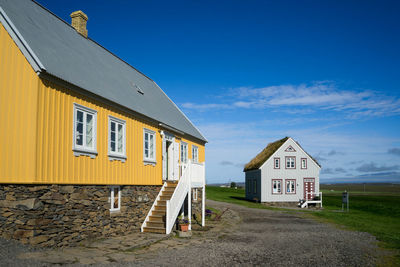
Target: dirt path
x,y
271,238
244,236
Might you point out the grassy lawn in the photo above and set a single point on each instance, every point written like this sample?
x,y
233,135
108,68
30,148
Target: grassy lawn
x,y
376,211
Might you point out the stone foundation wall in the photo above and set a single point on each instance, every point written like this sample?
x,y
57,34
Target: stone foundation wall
x,y
64,215
197,204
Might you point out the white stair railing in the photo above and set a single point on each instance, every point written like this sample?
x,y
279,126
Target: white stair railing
x,y
178,197
144,224
310,200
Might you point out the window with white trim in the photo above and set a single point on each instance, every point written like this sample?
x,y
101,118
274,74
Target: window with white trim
x,y
116,138
276,186
290,186
195,193
304,163
290,163
277,163
84,133
195,153
149,145
184,152
115,198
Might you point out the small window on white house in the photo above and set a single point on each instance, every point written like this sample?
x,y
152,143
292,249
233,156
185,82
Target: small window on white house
x,y
116,138
290,186
195,153
276,186
304,163
184,152
115,198
195,194
149,145
290,163
84,133
277,163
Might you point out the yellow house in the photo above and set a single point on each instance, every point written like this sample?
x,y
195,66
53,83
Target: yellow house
x,y
90,146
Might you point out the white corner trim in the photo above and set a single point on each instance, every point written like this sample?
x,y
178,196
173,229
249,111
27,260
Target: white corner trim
x,y
21,43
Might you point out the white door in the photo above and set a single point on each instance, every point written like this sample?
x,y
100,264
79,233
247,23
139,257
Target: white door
x,y
170,160
176,161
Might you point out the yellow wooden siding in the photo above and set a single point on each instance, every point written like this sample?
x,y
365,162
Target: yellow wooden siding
x,y
18,105
56,161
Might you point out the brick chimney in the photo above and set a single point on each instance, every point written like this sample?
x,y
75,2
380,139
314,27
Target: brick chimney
x,y
78,21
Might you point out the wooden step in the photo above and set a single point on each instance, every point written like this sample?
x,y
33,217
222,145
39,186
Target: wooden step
x,y
160,207
171,185
165,197
161,203
169,189
158,230
158,212
157,218
155,224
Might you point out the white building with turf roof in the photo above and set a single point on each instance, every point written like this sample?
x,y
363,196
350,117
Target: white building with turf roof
x,y
283,172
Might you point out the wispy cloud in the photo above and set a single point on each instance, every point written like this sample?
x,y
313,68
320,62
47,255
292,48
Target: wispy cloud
x,y
333,170
230,163
306,99
334,152
394,151
372,167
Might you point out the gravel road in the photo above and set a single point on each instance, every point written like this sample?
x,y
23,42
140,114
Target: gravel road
x,y
273,238
244,237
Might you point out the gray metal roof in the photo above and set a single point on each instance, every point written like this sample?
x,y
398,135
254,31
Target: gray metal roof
x,y
64,53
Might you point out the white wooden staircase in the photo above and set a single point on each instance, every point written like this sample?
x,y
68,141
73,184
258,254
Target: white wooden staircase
x,y
156,219
162,215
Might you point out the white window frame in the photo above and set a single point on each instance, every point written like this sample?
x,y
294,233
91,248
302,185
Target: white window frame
x,y
277,163
112,198
114,155
149,160
278,190
287,160
290,182
84,150
184,152
304,166
195,156
195,194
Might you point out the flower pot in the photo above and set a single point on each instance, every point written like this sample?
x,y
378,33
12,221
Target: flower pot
x,y
184,227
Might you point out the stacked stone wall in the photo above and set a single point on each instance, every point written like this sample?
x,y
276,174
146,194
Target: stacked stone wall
x,y
197,204
64,215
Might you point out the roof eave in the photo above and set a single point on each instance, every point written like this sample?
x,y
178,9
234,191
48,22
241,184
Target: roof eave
x,y
33,60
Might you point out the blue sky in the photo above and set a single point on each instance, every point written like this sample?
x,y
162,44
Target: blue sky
x,y
250,72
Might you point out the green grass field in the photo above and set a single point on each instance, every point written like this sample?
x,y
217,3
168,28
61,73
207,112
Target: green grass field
x,y
376,211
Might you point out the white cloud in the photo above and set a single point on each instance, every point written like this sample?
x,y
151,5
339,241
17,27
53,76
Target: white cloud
x,y
305,99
